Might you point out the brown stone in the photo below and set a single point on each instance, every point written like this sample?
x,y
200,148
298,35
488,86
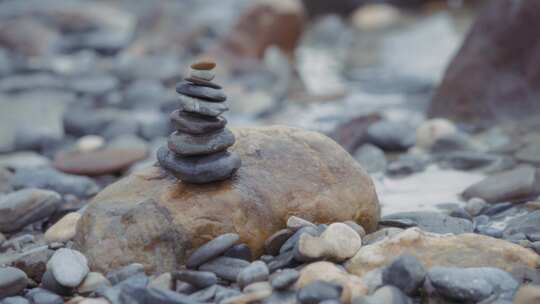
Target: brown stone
x,y
154,219
98,162
494,76
203,65
268,23
528,294
464,250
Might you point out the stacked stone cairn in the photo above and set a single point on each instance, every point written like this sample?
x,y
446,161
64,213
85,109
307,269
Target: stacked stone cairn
x,y
197,150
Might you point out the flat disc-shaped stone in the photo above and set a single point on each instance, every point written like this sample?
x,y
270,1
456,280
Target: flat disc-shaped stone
x,y
204,65
202,74
202,107
199,169
203,92
192,123
202,82
188,145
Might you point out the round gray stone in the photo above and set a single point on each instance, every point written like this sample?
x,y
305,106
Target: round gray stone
x,y
12,281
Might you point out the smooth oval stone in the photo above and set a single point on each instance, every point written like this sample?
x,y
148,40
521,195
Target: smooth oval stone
x,y
319,291
406,273
201,92
192,123
203,65
188,145
15,300
12,281
42,296
256,272
202,74
225,267
118,275
202,82
202,107
285,278
199,169
68,266
49,283
199,279
212,249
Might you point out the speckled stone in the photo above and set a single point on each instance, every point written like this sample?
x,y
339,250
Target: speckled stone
x,y
199,169
201,92
189,145
192,123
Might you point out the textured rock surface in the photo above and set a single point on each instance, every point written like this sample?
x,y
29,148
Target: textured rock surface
x,y
465,250
504,84
154,219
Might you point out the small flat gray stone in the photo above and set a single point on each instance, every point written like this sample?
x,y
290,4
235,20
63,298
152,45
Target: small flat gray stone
x,y
212,249
21,208
284,278
203,92
189,145
202,107
256,272
199,279
225,267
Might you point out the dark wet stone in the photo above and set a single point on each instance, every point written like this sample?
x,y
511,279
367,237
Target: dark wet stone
x,y
391,136
199,279
284,278
469,160
406,273
42,296
470,284
225,267
121,274
274,243
199,169
212,249
202,82
319,291
189,145
122,290
12,281
192,123
428,221
514,185
255,272
47,178
239,251
49,283
203,92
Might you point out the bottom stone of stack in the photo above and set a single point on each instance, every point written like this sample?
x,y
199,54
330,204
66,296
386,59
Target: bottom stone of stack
x,y
199,169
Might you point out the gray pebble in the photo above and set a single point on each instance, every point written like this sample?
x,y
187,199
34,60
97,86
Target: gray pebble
x,y
212,249
319,291
225,267
284,278
255,272
124,273
69,267
12,281
199,279
406,273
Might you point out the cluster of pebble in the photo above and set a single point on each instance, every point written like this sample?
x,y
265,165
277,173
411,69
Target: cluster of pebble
x,y
197,151
301,264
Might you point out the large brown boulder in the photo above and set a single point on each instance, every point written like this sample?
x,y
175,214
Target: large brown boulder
x,y
154,219
496,73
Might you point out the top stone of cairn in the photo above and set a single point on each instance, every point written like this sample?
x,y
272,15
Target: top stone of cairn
x,y
203,65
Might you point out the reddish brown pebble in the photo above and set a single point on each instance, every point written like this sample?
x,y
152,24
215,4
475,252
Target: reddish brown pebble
x,y
203,65
98,162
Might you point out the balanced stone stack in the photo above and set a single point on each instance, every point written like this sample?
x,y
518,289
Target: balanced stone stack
x,y
197,150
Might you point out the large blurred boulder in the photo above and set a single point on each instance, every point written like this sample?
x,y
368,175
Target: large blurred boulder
x,y
268,23
154,219
496,74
